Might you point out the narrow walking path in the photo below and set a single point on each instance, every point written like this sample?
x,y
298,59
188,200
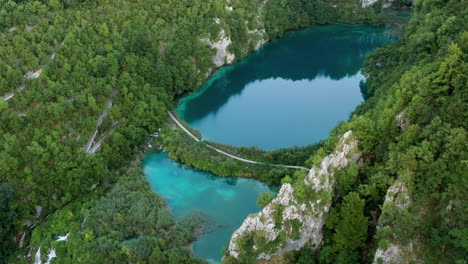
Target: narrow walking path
x,y
227,154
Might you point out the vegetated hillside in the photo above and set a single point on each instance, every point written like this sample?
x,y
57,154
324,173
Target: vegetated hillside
x,y
404,200
83,85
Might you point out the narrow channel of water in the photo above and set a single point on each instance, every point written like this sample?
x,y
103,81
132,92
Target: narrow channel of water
x,y
293,91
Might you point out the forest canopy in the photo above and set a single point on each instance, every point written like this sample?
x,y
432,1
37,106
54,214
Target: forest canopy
x,y
84,84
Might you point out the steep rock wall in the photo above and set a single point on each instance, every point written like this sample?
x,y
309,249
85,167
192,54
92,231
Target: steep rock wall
x,y
291,221
397,198
223,55
257,35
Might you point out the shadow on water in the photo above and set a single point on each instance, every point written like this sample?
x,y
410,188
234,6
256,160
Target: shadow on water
x,y
334,52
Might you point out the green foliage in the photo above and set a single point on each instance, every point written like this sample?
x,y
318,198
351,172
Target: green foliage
x,y
346,179
184,149
150,53
413,127
295,226
351,229
345,231
288,156
129,224
305,256
264,198
7,217
278,216
284,15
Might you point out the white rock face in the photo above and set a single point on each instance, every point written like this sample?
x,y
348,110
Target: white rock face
x,y
38,211
63,238
402,121
258,34
51,255
33,75
21,242
37,257
366,3
8,96
223,56
396,253
388,256
398,193
309,213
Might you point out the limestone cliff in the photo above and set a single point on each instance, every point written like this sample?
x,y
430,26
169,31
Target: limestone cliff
x,y
385,3
390,251
223,55
221,45
256,32
295,217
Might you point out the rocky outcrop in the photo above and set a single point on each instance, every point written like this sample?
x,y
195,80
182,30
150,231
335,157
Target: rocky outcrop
x,y
385,4
33,75
398,198
398,195
402,121
295,217
257,36
391,255
223,55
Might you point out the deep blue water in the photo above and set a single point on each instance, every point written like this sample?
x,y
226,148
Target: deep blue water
x,y
293,91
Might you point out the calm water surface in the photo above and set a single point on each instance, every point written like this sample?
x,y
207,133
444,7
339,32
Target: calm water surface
x,y
226,201
291,92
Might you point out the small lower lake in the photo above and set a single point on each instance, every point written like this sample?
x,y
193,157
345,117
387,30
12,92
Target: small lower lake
x,y
225,201
291,92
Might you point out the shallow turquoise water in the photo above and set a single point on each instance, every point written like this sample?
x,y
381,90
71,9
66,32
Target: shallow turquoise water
x,y
291,92
226,201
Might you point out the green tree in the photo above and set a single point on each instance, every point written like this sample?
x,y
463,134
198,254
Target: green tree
x,y
351,229
264,198
7,216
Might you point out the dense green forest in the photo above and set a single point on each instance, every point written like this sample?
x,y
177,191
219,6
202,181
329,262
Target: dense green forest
x,y
129,224
184,149
411,134
84,84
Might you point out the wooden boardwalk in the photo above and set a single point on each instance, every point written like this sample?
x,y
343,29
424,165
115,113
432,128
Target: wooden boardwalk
x,y
227,154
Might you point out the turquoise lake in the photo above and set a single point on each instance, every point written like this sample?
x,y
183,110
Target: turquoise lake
x,y
292,92
226,201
